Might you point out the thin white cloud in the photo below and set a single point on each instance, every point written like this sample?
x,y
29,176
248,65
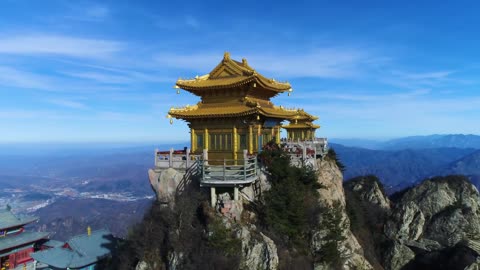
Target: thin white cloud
x,y
86,13
100,77
38,44
359,96
17,78
322,62
68,103
19,114
412,80
91,115
429,75
120,76
173,23
23,79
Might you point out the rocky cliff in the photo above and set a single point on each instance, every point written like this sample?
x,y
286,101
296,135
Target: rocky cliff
x,y
434,225
259,246
332,195
438,215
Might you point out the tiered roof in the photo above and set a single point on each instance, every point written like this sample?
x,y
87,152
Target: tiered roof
x,y
251,100
19,240
82,250
9,220
302,120
229,74
245,108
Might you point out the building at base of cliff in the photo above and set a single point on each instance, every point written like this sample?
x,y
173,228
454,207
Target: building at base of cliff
x,y
16,244
80,252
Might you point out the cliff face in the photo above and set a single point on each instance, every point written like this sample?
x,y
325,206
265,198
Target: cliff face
x,y
332,195
368,208
434,225
258,251
439,214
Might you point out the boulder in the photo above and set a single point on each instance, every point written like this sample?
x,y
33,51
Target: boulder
x,y
405,223
258,251
165,183
396,256
442,209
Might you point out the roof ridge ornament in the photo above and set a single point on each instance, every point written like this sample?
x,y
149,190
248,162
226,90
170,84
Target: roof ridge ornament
x,y
226,56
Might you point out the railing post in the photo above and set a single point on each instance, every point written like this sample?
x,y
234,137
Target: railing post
x,y
203,170
224,165
188,158
170,159
213,196
304,152
235,193
156,158
205,155
244,166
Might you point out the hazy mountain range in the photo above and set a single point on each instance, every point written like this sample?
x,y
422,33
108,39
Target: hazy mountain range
x,y
405,161
100,179
415,142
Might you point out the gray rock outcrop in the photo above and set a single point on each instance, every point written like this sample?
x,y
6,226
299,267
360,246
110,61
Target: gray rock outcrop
x,y
258,251
369,191
165,182
437,214
332,195
397,256
441,210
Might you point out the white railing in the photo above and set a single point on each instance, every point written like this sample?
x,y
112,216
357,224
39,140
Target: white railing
x,y
177,159
305,151
231,171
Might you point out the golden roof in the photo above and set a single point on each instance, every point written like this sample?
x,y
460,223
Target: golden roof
x,y
302,120
301,125
230,73
245,108
303,115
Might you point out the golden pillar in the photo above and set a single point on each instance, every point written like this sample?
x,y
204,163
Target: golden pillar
x,y
278,135
205,139
193,140
250,139
235,142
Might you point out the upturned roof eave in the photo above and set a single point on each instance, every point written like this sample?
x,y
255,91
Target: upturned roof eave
x,y
193,85
33,238
191,114
21,222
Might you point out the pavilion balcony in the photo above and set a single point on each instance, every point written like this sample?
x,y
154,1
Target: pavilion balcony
x,y
305,152
212,172
177,159
228,172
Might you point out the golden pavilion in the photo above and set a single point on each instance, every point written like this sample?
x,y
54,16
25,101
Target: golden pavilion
x,y
235,111
301,127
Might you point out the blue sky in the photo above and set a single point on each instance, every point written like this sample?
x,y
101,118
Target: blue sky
x,y
86,71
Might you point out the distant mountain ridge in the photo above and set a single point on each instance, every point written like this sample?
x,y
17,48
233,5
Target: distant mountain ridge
x,y
434,141
398,169
416,142
468,165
